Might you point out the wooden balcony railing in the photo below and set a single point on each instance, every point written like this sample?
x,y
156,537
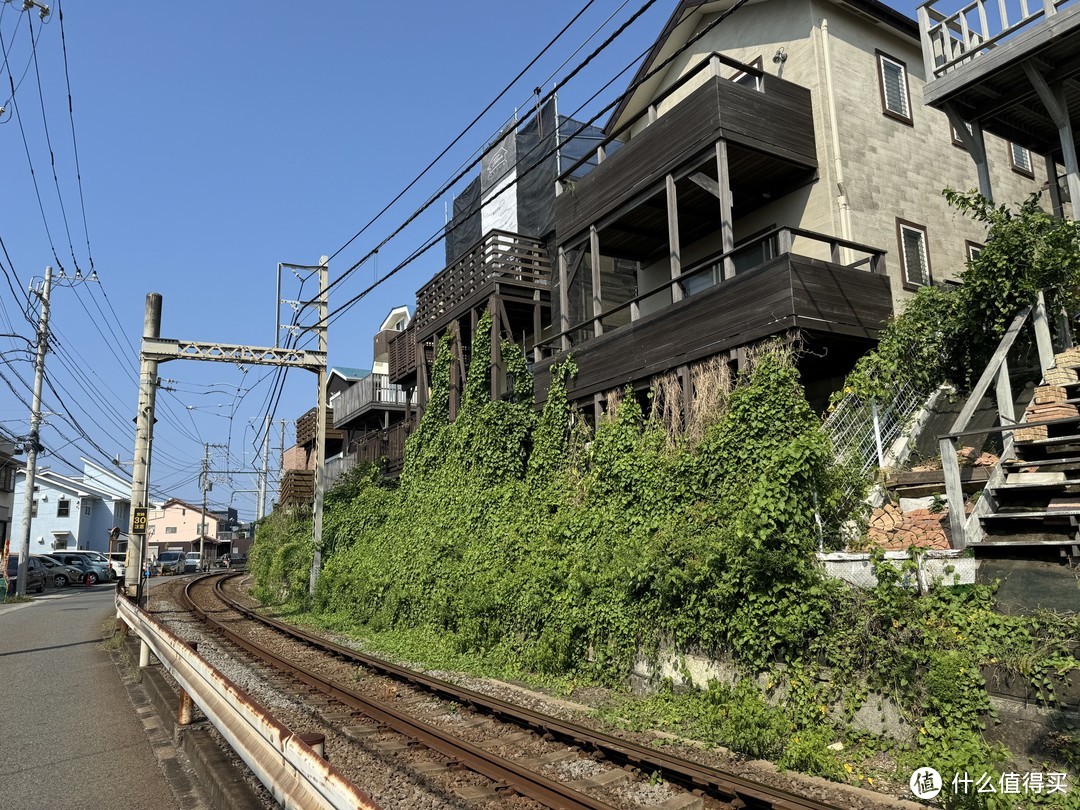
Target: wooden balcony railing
x,y
388,444
401,355
307,426
952,38
707,274
372,391
499,257
297,487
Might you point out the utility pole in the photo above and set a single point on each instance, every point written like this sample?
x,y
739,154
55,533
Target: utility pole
x,y
261,511
320,428
144,432
33,443
206,485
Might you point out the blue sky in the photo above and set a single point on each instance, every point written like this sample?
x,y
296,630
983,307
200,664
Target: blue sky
x,y
215,141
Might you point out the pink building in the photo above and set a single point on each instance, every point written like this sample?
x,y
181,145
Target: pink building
x,y
177,525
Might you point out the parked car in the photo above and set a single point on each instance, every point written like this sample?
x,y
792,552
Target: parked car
x,y
192,562
58,574
93,563
118,561
171,562
35,574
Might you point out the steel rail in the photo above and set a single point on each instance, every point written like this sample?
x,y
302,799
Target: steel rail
x,y
289,768
692,776
503,772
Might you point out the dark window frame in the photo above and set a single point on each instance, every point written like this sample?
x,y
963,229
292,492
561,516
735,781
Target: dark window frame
x,y
63,508
901,224
904,119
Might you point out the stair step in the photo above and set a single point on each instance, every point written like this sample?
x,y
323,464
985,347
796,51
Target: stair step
x,y
1072,438
1039,514
1020,463
1021,478
1025,539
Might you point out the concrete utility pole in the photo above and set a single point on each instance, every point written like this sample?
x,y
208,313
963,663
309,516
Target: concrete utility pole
x,y
261,511
144,432
35,432
320,429
155,349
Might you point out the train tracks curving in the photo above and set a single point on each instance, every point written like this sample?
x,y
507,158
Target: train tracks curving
x,y
466,729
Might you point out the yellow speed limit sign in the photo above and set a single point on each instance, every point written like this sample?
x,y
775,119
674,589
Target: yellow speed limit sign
x,y
138,521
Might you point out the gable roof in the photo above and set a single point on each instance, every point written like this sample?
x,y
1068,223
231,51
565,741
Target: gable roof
x,y
350,374
75,486
185,505
679,29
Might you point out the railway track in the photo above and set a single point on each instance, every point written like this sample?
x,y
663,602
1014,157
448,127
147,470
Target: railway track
x,y
467,730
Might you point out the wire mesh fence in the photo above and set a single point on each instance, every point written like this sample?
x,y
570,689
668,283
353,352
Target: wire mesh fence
x,y
863,431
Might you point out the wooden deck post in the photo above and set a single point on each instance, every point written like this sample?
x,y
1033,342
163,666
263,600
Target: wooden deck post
x,y
564,300
1006,406
1053,98
954,491
1042,333
673,237
496,348
972,136
1056,202
594,265
727,232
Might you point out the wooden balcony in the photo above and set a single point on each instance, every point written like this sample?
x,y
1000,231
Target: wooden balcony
x,y
307,427
297,488
790,291
498,262
979,58
380,446
374,392
766,122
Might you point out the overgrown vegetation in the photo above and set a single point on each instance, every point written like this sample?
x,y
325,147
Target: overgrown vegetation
x,y
947,334
541,544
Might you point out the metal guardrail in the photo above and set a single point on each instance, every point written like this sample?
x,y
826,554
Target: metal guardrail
x,y
288,767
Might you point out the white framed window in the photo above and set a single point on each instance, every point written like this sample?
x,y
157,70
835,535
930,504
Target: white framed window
x,y
914,255
893,83
973,250
747,79
1020,160
170,530
956,139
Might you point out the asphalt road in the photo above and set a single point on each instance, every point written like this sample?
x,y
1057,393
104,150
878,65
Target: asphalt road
x,y
69,735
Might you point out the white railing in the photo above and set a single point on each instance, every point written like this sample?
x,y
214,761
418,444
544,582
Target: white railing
x,y
953,34
288,767
372,390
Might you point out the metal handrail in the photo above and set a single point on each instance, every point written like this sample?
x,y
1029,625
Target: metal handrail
x,y
786,234
288,767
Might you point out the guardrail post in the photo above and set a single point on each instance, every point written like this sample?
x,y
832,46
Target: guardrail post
x,y
144,654
316,741
954,491
183,715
